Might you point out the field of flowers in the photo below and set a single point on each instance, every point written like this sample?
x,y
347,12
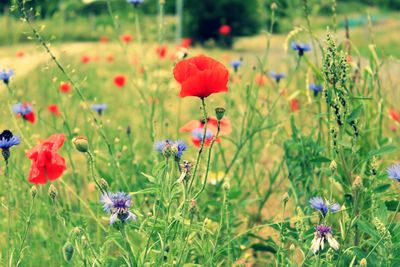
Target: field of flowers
x,y
279,151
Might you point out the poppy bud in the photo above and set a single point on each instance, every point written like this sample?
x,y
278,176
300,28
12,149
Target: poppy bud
x,y
81,144
68,251
33,191
292,247
357,183
333,166
274,6
219,113
363,262
192,205
52,192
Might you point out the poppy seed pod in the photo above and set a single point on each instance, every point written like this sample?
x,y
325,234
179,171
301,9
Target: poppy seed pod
x,y
219,113
81,144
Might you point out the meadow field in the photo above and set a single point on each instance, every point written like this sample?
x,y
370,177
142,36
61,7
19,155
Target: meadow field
x,y
127,142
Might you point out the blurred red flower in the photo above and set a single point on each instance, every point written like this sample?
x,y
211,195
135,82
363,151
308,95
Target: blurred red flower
x,y
65,87
394,115
53,108
47,164
110,58
162,51
201,76
196,128
126,38
85,59
186,42
225,29
260,79
120,80
20,54
294,105
103,39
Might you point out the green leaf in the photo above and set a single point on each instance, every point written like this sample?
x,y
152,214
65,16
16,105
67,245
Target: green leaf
x,y
381,151
354,114
320,160
392,205
151,179
382,188
262,247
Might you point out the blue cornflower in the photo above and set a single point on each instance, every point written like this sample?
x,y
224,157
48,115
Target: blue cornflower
x,y
7,140
118,204
277,76
199,132
5,75
235,64
316,88
99,108
300,48
319,204
136,3
394,172
168,148
22,109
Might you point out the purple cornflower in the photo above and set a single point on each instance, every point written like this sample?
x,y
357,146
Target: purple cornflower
x,y
5,75
199,132
118,204
168,148
235,64
135,3
319,204
99,108
277,76
7,140
394,172
323,233
316,88
22,109
300,48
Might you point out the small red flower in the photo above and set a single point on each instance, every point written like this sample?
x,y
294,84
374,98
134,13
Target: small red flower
x,y
120,80
201,76
47,164
162,51
85,59
126,38
186,42
30,117
110,58
65,87
260,79
103,39
20,54
53,108
294,105
196,128
394,115
225,30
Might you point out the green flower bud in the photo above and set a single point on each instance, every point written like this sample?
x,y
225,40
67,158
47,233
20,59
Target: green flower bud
x,y
81,144
68,251
52,192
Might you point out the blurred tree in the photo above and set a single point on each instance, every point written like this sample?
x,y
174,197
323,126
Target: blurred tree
x,y
204,18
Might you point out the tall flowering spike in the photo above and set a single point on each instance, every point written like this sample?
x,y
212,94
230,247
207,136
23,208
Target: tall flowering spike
x,y
8,140
99,108
117,205
320,204
277,76
47,164
5,75
394,172
24,110
316,88
322,234
300,48
201,76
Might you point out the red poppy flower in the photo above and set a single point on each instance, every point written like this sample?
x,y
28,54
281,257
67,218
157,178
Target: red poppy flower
x,y
103,39
225,30
110,58
260,79
30,117
120,81
394,115
65,87
85,59
162,51
196,128
294,105
47,164
126,38
201,76
186,42
20,54
53,108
